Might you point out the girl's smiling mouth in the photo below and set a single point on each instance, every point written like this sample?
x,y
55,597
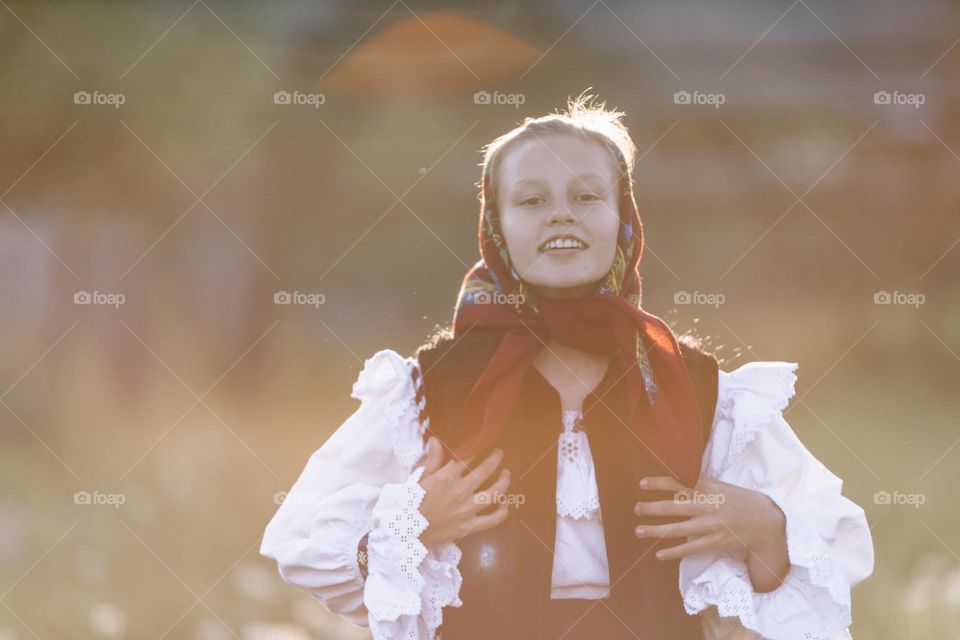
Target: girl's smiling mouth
x,y
563,245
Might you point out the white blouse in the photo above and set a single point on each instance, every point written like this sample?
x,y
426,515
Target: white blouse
x,y
580,568
366,476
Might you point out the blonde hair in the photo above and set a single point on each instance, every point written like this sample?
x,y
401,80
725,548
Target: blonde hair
x,y
584,116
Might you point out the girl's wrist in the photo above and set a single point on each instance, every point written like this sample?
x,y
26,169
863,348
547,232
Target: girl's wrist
x,y
772,532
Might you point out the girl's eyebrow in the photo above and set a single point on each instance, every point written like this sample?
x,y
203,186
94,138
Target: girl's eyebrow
x,y
583,177
531,181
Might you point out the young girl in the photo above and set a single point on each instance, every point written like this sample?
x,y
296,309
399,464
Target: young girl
x,y
558,463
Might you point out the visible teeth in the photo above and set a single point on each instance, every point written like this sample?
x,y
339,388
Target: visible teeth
x,y
561,243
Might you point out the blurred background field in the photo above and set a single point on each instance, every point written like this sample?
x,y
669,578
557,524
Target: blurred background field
x,y
184,409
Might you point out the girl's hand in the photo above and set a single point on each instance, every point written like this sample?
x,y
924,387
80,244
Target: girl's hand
x,y
723,517
452,503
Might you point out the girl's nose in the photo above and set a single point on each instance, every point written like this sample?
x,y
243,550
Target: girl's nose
x,y
560,213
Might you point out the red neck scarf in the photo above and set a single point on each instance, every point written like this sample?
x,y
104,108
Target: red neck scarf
x,y
610,322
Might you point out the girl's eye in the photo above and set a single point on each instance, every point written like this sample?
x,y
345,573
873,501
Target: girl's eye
x,y
589,197
532,200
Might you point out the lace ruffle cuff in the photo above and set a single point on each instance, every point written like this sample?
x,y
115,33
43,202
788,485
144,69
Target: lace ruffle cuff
x,y
404,577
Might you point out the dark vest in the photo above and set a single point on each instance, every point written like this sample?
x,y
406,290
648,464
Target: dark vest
x,y
507,570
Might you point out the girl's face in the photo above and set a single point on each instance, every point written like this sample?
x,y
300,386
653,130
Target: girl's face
x,y
559,187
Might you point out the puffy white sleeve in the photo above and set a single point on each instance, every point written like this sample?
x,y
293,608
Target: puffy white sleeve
x,y
828,539
363,480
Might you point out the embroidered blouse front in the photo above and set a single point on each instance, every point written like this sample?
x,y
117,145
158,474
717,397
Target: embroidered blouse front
x,y
580,567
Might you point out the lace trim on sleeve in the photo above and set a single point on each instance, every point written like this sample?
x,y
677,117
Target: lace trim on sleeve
x,y
388,376
441,566
751,397
395,552
405,578
814,584
443,584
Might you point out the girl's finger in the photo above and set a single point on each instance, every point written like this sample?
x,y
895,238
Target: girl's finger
x,y
457,467
669,508
703,543
484,499
488,521
698,526
662,483
479,475
434,457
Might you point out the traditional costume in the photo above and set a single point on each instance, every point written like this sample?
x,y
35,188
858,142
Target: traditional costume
x,y
566,562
